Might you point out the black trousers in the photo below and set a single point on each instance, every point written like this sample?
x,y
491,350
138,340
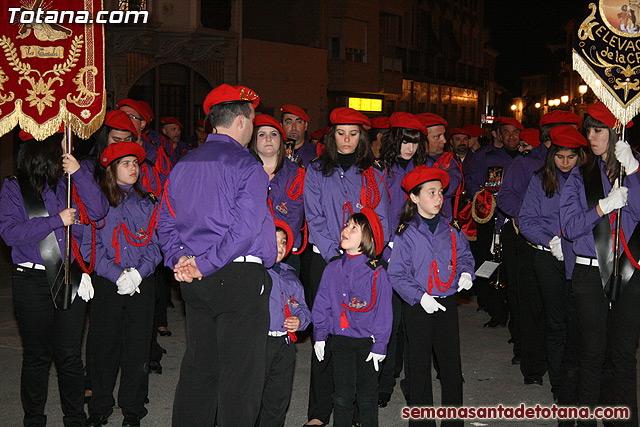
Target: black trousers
x,y
280,360
120,332
533,364
48,333
617,328
387,378
163,295
436,333
554,290
222,372
321,384
509,270
481,253
356,382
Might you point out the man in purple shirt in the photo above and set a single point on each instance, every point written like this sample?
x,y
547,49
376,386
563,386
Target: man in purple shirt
x,y
215,226
295,122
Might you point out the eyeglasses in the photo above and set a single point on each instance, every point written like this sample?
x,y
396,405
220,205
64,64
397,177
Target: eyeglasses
x,y
133,117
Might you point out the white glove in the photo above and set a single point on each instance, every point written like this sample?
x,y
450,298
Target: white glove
x,y
129,282
616,199
377,359
625,156
465,283
318,347
430,304
85,290
556,248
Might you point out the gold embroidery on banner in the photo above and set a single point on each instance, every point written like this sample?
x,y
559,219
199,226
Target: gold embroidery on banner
x,y
43,52
41,93
8,97
44,32
83,79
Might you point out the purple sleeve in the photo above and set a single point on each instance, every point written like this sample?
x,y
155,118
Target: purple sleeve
x,y
250,206
92,197
15,227
316,218
383,316
301,311
321,311
401,271
168,235
632,182
513,187
575,218
474,180
530,214
106,265
464,258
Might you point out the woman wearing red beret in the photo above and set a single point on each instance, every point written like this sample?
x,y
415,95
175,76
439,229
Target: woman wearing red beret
x,y
339,183
609,323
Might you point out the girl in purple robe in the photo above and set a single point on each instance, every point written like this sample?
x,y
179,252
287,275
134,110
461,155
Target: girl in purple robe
x,y
121,322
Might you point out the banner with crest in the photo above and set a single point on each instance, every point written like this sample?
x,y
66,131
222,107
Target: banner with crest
x,y
52,68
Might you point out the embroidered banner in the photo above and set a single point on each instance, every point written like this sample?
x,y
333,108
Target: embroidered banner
x,y
51,67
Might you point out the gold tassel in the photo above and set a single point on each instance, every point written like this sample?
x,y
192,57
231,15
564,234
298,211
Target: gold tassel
x,y
604,93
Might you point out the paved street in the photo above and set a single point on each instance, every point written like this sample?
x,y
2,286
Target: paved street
x,y
490,379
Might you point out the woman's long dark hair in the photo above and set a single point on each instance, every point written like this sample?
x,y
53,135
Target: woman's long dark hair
x,y
41,161
392,142
329,156
253,145
612,165
109,185
410,208
549,170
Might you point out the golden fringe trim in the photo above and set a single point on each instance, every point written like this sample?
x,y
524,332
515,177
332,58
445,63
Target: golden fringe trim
x,y
475,216
51,126
623,113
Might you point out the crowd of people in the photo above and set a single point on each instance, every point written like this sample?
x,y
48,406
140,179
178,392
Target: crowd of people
x,y
363,234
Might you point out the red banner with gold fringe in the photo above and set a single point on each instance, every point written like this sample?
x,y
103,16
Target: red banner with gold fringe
x,y
51,66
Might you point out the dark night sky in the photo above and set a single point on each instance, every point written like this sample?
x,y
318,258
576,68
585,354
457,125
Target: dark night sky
x,y
520,30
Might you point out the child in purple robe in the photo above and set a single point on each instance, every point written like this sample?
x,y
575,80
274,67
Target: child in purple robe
x,y
352,312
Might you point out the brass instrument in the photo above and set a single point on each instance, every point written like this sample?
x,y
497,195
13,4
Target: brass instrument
x,y
497,258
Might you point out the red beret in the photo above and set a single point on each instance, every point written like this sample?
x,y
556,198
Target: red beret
x,y
380,123
406,120
600,112
422,174
317,134
227,93
121,149
170,121
287,230
456,131
267,120
567,136
430,119
474,130
118,119
348,116
510,121
376,227
149,111
136,106
531,137
560,116
295,110
206,124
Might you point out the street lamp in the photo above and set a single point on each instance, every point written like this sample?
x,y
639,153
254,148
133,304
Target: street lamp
x,y
564,98
513,107
537,105
582,89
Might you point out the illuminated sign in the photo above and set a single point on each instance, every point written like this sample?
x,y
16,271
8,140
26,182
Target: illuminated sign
x,y
365,104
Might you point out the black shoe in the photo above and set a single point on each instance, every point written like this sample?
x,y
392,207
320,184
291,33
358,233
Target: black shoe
x,y
155,367
515,360
163,350
131,420
383,399
495,323
96,420
529,381
164,333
